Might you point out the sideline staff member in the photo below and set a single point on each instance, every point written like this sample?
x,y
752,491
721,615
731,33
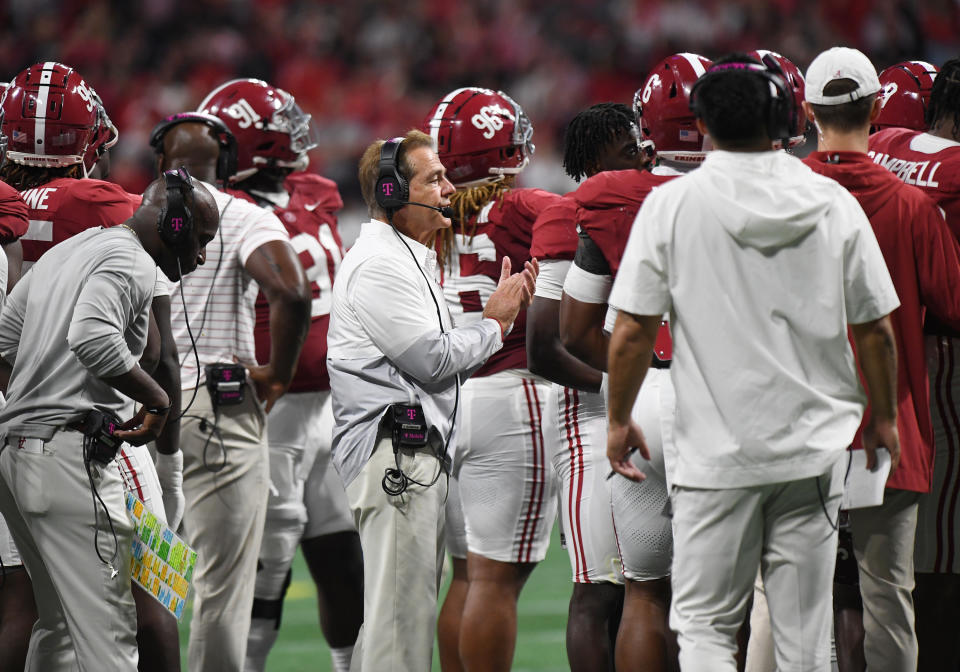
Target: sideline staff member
x,y
761,281
73,329
393,352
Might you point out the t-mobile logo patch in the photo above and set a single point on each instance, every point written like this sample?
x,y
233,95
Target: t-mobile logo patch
x,y
387,188
411,414
176,223
227,375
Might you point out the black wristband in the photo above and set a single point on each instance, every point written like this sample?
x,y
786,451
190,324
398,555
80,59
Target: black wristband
x,y
157,410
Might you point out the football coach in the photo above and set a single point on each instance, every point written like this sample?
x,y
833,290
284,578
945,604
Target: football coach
x,y
396,365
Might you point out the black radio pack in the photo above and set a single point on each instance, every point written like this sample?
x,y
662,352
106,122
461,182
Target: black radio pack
x,y
226,383
101,445
409,426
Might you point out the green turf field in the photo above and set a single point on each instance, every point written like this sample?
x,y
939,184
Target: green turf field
x,y
542,614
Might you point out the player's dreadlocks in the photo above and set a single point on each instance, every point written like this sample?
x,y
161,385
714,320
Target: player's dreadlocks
x,y
945,96
590,132
466,204
22,177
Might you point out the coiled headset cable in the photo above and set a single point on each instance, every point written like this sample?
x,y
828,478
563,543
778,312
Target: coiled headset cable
x,y
395,481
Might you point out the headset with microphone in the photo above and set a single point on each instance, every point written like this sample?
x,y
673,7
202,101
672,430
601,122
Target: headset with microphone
x,y
393,189
781,111
226,162
175,221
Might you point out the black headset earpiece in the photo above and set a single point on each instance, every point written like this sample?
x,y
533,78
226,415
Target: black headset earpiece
x,y
227,160
781,115
176,221
393,190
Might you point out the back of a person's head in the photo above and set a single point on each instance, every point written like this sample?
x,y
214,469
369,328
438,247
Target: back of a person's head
x,y
842,86
945,98
845,117
733,103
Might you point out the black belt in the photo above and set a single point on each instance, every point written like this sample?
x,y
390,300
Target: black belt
x,y
658,363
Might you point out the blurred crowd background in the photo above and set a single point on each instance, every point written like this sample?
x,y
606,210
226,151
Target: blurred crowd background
x,y
372,68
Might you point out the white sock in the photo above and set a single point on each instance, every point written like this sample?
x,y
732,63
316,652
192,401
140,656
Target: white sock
x,y
341,658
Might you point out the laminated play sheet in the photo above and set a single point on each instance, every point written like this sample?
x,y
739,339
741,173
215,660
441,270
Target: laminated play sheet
x,y
162,563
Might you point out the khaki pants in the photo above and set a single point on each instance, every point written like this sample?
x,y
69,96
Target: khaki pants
x,y
720,539
883,540
87,616
402,539
223,521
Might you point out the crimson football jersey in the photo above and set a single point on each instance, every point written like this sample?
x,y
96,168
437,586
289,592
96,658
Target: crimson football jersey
x,y
504,228
926,161
607,205
64,207
14,219
311,221
555,232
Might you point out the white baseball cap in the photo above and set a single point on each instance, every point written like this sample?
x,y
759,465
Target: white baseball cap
x,y
840,63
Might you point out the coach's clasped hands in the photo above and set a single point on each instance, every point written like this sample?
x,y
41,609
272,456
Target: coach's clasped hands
x,y
513,294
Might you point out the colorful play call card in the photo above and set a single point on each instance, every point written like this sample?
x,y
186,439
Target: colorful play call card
x,y
162,563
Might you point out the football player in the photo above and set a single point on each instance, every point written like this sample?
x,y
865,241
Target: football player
x,y
506,489
602,137
795,83
930,160
50,156
17,609
905,96
640,527
273,138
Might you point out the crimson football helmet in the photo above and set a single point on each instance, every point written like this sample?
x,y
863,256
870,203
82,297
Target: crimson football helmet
x,y
797,85
662,108
53,119
905,95
481,135
270,128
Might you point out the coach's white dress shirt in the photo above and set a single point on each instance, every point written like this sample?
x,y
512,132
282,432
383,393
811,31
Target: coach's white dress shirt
x,y
391,340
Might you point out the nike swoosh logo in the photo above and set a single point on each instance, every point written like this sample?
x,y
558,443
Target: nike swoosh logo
x,y
312,206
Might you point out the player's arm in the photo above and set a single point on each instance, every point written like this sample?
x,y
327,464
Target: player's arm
x,y
584,305
14,223
169,459
167,375
546,355
278,272
877,356
938,268
151,351
11,326
14,254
